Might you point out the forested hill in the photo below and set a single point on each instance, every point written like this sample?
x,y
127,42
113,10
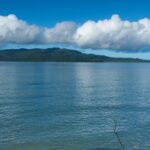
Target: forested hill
x,y
57,55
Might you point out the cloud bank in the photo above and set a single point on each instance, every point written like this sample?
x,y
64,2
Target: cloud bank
x,y
112,34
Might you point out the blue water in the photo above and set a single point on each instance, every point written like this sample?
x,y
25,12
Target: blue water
x,y
71,106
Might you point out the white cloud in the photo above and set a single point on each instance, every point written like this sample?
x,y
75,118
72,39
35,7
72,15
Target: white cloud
x,y
114,33
62,33
13,30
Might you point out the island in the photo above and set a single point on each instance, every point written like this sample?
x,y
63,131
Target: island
x,y
58,55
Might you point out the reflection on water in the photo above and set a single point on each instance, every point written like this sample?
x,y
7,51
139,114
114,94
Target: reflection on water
x,y
70,106
103,149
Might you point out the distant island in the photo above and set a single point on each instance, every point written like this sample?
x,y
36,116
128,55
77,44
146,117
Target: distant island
x,y
57,55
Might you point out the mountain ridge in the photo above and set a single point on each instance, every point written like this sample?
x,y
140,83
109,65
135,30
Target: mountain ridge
x,y
58,55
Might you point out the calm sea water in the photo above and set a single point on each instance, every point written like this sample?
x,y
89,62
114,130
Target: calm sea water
x,y
71,106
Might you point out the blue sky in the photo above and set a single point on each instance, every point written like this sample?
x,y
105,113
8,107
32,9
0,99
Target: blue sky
x,y
47,13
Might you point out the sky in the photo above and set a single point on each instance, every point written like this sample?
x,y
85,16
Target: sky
x,y
119,28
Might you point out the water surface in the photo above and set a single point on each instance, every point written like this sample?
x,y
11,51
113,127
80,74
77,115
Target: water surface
x,y
70,106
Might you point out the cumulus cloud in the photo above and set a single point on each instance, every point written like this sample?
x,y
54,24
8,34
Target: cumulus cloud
x,y
13,30
61,33
112,34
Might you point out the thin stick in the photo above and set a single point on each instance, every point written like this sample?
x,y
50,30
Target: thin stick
x,y
118,138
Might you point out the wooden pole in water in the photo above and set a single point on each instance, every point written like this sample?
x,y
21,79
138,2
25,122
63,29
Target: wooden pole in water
x,y
117,135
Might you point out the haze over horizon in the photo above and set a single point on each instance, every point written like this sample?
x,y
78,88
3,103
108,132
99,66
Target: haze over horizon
x,y
95,27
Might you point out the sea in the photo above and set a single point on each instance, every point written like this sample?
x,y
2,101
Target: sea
x,y
74,106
